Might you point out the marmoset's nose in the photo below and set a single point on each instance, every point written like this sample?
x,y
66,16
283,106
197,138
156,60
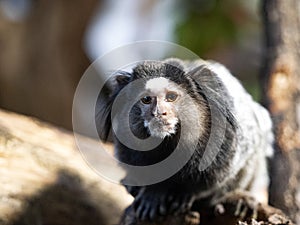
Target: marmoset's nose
x,y
159,110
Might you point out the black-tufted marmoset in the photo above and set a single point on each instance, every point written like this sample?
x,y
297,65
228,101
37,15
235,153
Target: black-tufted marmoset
x,y
177,102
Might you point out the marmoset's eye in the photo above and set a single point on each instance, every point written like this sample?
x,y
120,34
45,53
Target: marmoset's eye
x,y
171,96
146,100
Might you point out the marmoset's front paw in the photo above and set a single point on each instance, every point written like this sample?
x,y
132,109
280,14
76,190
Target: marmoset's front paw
x,y
153,205
150,205
239,204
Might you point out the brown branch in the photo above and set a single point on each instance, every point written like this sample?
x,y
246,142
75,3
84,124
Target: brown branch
x,y
45,180
235,208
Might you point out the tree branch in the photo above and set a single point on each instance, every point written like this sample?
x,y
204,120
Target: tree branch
x,y
45,180
235,208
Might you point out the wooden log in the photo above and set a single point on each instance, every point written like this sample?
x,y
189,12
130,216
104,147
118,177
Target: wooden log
x,y
238,208
45,180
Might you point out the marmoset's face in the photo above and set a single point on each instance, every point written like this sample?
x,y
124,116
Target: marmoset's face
x,y
159,106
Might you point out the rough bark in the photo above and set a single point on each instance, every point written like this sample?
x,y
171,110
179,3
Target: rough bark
x,y
281,79
42,58
235,208
45,180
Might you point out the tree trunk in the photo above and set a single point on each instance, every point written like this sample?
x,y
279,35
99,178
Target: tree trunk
x,y
42,58
281,79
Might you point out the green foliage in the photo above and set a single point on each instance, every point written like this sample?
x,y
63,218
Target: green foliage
x,y
210,24
216,29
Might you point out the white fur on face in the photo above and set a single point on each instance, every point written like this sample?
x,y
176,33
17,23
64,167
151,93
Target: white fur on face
x,y
157,85
162,126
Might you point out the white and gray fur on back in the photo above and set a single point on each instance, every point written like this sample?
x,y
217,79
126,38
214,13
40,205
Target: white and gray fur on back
x,y
254,134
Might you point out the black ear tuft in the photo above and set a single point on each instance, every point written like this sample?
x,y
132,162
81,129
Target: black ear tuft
x,y
105,101
122,79
209,85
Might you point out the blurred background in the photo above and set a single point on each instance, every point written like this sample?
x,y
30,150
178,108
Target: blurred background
x,y
45,46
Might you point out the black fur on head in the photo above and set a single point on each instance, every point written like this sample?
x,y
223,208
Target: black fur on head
x,y
151,69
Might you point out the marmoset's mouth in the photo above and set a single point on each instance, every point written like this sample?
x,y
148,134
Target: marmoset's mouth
x,y
162,122
162,128
166,123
